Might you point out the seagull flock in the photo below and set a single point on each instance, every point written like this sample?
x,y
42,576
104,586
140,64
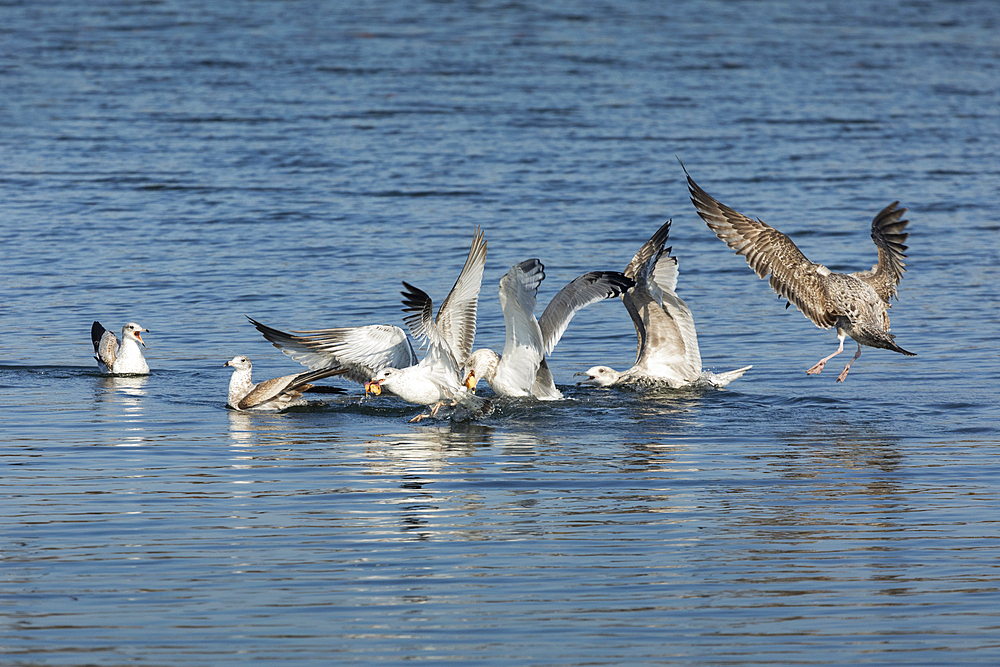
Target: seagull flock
x,y
382,358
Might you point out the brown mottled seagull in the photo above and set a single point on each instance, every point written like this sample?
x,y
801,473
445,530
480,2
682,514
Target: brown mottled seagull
x,y
273,394
855,303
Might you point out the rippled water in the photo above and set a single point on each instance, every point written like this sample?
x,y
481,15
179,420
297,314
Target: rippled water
x,y
183,165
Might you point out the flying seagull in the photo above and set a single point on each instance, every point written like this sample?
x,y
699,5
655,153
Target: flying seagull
x,y
119,357
667,346
856,304
521,370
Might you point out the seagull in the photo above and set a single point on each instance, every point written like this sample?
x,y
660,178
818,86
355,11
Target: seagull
x,y
273,394
381,356
119,357
668,352
855,303
521,370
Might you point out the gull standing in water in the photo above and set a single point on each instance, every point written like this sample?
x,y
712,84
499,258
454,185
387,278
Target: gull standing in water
x,y
274,394
668,352
119,357
521,370
855,303
381,356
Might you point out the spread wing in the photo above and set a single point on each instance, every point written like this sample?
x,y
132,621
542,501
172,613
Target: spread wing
x,y
291,386
360,351
769,252
649,248
420,320
522,350
662,320
456,319
639,295
582,291
664,278
888,235
439,358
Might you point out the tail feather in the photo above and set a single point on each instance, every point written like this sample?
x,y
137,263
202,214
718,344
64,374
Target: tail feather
x,y
896,348
886,341
722,379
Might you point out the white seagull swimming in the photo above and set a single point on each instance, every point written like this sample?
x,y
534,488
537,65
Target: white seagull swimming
x,y
381,356
668,352
521,370
855,303
119,357
273,394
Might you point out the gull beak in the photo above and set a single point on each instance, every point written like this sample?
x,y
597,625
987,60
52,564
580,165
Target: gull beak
x,y
470,381
373,387
138,335
226,364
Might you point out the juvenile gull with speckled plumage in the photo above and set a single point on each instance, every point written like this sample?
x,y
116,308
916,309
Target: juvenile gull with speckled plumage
x,y
274,394
855,303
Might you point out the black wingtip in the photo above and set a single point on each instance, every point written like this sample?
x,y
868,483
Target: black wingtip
x,y
661,235
96,332
260,326
325,389
414,298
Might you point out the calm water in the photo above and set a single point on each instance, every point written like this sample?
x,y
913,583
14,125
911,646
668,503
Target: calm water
x,y
183,165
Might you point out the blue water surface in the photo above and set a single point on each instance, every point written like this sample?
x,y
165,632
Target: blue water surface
x,y
185,164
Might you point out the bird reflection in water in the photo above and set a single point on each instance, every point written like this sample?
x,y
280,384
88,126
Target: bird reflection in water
x,y
123,397
127,390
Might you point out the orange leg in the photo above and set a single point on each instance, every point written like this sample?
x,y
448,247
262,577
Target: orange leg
x,y
843,373
433,413
817,369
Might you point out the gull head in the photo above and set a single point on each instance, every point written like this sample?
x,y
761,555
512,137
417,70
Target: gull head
x,y
134,331
240,363
374,385
471,380
598,376
481,364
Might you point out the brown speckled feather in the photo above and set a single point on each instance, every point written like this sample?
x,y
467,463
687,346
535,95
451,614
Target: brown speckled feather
x,y
769,252
888,235
856,304
105,344
289,386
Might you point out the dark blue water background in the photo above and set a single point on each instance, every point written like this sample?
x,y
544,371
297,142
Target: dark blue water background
x,y
183,164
